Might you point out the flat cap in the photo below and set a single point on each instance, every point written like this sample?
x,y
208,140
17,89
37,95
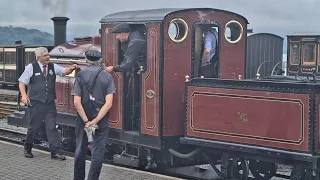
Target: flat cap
x,y
93,55
121,28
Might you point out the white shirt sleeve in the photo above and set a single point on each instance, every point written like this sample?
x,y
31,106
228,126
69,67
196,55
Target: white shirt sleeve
x,y
26,75
58,70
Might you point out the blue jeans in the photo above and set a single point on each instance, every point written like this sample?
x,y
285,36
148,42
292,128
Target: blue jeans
x,y
98,149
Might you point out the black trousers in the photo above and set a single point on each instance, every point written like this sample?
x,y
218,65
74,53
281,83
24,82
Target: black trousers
x,y
98,149
132,93
207,71
36,114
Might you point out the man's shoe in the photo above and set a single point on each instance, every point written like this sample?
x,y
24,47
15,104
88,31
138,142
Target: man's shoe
x,y
28,154
58,156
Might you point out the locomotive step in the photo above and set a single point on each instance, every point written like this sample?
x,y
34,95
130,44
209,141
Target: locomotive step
x,y
18,114
126,160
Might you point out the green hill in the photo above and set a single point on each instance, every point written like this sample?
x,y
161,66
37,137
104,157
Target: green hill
x,y
10,34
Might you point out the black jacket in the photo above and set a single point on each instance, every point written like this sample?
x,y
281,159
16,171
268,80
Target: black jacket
x,y
135,53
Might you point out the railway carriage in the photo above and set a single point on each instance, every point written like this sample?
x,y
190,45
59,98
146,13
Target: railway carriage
x,y
243,120
12,62
13,56
304,49
264,55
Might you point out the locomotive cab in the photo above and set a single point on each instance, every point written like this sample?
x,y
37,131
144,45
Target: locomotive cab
x,y
148,107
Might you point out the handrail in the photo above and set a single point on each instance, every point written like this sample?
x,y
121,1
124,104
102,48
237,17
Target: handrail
x,y
275,68
257,74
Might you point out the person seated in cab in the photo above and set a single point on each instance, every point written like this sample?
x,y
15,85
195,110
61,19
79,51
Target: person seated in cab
x,y
210,42
93,95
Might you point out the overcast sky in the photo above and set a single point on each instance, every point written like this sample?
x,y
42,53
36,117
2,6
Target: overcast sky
x,y
274,16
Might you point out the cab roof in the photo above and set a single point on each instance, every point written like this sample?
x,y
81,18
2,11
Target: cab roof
x,y
155,14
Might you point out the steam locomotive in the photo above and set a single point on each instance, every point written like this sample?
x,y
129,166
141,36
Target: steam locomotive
x,y
247,119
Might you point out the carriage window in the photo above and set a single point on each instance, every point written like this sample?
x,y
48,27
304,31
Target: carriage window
x,y
31,58
7,57
309,54
13,58
319,53
26,58
294,54
233,31
178,30
1,56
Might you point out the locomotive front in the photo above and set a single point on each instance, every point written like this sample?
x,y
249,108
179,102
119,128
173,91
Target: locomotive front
x,y
260,122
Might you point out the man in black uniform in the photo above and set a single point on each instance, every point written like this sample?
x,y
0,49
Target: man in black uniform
x,y
40,77
93,95
134,46
135,53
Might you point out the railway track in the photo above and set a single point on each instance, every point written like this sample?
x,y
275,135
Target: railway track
x,y
9,95
8,102
7,108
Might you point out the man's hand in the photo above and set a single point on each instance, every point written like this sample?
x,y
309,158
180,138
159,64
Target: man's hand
x,y
207,51
69,70
91,123
25,99
109,69
73,67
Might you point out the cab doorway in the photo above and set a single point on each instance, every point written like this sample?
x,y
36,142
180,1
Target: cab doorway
x,y
206,62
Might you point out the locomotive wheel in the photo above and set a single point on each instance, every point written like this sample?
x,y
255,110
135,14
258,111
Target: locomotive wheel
x,y
238,170
244,167
298,173
262,170
302,174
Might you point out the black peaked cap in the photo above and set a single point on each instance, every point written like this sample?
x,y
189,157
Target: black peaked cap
x,y
93,55
121,28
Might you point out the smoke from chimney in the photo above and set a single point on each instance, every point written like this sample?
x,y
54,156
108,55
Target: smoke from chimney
x,y
57,7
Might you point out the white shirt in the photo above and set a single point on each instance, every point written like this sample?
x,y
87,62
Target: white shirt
x,y
28,72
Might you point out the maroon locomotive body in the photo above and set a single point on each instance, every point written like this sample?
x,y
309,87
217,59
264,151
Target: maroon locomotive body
x,y
249,116
64,55
243,119
169,59
267,121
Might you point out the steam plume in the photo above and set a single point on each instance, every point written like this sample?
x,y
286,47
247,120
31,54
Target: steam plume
x,y
57,7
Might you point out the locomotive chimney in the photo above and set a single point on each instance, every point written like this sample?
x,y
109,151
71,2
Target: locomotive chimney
x,y
60,30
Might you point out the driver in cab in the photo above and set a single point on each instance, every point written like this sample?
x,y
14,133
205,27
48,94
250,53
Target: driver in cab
x,y
134,53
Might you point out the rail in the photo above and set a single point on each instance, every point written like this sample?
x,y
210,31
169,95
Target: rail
x,y
7,109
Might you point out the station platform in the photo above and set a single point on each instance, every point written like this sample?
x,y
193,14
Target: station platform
x,y
14,166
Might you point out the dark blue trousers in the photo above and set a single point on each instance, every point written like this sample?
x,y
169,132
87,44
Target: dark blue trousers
x,y
98,149
36,114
